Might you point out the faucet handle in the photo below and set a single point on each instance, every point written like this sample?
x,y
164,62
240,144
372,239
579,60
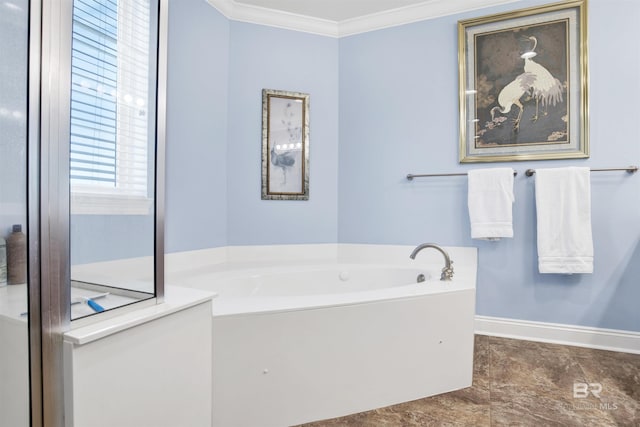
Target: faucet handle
x,y
447,273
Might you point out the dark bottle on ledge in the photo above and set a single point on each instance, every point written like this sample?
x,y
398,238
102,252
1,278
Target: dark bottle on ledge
x,y
17,256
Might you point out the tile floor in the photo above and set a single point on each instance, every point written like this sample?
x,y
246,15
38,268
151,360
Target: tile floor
x,y
525,383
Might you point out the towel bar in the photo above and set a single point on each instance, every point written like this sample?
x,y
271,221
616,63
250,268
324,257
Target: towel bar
x,y
630,169
411,176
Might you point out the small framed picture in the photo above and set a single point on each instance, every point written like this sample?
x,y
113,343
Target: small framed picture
x,y
523,84
285,145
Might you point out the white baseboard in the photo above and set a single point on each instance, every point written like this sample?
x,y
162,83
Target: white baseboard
x,y
580,336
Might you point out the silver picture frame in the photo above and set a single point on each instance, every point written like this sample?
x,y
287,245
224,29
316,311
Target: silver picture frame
x,y
285,145
523,84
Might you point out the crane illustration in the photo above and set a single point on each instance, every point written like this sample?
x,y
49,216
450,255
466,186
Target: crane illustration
x,y
546,89
287,158
282,160
510,95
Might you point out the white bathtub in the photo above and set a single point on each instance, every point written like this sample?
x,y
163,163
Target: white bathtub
x,y
302,333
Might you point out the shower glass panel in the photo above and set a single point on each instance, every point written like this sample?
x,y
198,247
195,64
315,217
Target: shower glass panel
x,y
14,347
112,153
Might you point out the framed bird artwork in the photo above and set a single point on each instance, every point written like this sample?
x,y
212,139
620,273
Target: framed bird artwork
x,y
523,84
285,145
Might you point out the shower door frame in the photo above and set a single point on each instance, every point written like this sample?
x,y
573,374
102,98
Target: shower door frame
x,y
33,213
48,211
48,205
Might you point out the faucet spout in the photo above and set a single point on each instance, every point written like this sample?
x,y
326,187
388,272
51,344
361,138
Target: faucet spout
x,y
447,271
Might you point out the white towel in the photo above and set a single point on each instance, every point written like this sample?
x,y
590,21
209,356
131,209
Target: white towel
x,y
490,199
563,206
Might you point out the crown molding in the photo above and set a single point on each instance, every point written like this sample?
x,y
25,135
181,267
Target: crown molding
x,y
275,18
414,13
391,18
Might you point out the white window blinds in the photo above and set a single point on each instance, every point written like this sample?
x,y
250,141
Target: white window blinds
x,y
109,149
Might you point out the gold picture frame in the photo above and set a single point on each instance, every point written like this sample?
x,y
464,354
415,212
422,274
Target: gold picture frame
x,y
513,107
285,145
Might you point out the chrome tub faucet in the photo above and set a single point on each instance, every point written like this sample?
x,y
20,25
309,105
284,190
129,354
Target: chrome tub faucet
x,y
447,271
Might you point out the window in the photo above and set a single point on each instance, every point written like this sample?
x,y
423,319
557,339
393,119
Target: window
x,y
112,124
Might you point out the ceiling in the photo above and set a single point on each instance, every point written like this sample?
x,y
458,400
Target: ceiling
x,y
339,18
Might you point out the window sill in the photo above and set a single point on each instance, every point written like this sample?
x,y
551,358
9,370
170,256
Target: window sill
x,y
109,204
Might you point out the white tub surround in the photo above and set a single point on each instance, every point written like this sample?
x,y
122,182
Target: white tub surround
x,y
135,274
147,367
298,335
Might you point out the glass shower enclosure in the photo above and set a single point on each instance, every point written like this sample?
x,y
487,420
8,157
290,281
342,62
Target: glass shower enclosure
x,y
14,316
46,232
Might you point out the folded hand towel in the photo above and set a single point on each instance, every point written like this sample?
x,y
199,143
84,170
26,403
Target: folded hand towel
x,y
490,199
563,206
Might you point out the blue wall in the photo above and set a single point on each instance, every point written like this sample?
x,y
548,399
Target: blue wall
x,y
268,58
196,171
390,98
95,238
196,180
399,114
